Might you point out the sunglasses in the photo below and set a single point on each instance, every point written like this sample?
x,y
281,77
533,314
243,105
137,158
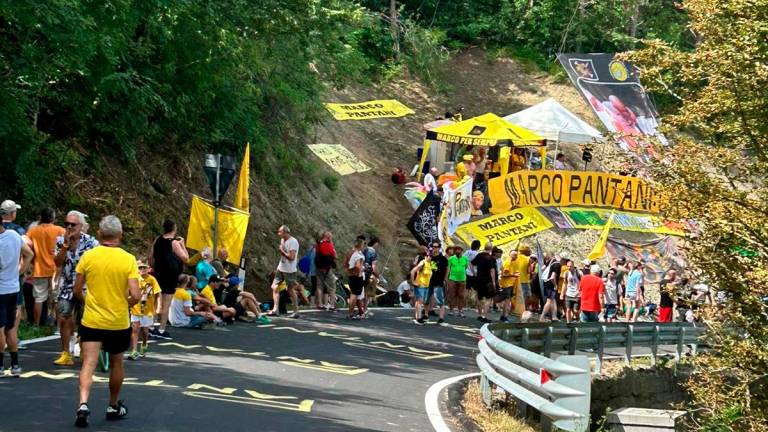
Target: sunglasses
x,y
70,224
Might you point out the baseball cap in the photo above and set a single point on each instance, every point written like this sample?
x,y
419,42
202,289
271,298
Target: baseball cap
x,y
140,264
594,269
9,206
586,262
234,280
215,278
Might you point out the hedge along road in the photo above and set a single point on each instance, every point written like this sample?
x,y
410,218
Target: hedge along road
x,y
321,372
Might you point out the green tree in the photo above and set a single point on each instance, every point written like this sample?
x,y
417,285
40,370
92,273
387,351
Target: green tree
x,y
715,174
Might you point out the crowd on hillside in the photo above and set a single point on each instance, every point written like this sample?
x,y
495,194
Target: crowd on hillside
x,y
554,289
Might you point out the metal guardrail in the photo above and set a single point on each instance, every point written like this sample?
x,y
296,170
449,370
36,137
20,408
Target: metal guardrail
x,y
549,338
562,401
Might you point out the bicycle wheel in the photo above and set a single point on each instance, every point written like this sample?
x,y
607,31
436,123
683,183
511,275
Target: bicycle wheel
x,y
103,361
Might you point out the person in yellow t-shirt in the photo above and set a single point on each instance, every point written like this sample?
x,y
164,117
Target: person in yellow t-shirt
x,y
509,283
113,286
221,311
523,267
142,313
421,275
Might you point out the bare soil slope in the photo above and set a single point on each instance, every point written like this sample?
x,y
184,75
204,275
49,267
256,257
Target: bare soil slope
x,y
362,203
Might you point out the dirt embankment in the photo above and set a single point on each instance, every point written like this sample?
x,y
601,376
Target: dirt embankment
x,y
367,202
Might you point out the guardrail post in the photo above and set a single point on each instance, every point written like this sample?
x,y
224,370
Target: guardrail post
x,y
680,342
548,341
573,340
524,338
485,390
630,334
600,349
581,382
655,344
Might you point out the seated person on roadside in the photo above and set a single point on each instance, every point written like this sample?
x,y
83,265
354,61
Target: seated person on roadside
x,y
220,310
242,301
142,313
181,313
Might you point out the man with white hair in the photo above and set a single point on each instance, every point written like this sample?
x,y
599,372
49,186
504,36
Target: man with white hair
x,y
70,247
592,291
112,276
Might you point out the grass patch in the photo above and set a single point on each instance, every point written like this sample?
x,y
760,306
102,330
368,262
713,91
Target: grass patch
x,y
499,419
28,331
331,182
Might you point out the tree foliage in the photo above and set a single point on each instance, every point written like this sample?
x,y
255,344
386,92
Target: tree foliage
x,y
542,28
82,78
716,171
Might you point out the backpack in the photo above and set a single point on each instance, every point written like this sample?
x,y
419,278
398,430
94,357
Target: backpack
x,y
354,271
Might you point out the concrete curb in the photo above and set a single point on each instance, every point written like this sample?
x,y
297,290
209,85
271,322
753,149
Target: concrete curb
x,y
443,401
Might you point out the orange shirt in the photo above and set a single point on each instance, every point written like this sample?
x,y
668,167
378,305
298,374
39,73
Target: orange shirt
x,y
43,238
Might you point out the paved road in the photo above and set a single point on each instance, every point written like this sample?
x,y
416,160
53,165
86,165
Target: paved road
x,y
319,373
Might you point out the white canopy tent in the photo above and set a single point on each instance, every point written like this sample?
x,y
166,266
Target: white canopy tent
x,y
554,122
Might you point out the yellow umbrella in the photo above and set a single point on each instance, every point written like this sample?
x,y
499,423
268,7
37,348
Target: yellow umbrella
x,y
485,130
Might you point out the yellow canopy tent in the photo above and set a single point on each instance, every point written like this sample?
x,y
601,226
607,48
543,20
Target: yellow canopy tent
x,y
485,130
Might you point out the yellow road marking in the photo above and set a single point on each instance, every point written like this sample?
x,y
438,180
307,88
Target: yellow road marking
x,y
390,348
176,344
295,330
224,390
303,406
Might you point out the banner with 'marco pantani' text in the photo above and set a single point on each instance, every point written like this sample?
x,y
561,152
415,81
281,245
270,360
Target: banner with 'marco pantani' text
x,y
504,228
559,188
368,110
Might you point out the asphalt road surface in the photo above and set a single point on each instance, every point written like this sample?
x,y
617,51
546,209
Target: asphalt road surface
x,y
318,373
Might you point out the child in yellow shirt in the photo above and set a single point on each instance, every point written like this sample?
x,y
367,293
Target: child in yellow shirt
x,y
142,313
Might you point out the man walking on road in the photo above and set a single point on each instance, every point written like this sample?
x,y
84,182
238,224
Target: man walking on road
x,y
69,249
112,276
169,253
325,262
12,249
286,270
43,238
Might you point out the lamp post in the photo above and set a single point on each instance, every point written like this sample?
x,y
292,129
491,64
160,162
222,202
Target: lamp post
x,y
220,171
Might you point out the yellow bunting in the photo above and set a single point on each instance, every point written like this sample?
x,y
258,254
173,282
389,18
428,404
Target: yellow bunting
x,y
368,110
339,158
505,228
545,188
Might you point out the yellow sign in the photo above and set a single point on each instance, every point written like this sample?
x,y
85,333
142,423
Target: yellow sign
x,y
339,158
233,225
546,188
506,227
368,110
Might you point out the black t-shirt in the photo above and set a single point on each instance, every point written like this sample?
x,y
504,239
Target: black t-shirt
x,y
666,297
555,269
484,262
439,269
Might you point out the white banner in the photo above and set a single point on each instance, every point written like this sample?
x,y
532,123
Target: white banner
x,y
457,199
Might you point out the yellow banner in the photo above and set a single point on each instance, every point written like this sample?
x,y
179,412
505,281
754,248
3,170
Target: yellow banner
x,y
339,158
233,225
504,228
545,188
368,110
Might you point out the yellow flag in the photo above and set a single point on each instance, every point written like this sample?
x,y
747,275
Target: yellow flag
x,y
599,250
241,197
233,225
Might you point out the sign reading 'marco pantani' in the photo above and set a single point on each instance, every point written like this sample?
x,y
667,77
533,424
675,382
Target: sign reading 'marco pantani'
x,y
368,110
545,188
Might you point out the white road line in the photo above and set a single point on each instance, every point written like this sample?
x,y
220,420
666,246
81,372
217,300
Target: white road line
x,y
432,401
40,339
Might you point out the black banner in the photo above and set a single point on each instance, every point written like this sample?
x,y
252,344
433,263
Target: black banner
x,y
423,223
613,90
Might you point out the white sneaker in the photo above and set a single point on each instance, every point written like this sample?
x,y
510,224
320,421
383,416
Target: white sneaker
x,y
76,350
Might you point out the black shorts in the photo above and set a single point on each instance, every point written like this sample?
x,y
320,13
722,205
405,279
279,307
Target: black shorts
x,y
8,310
112,341
356,284
471,282
549,290
239,310
485,288
168,283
